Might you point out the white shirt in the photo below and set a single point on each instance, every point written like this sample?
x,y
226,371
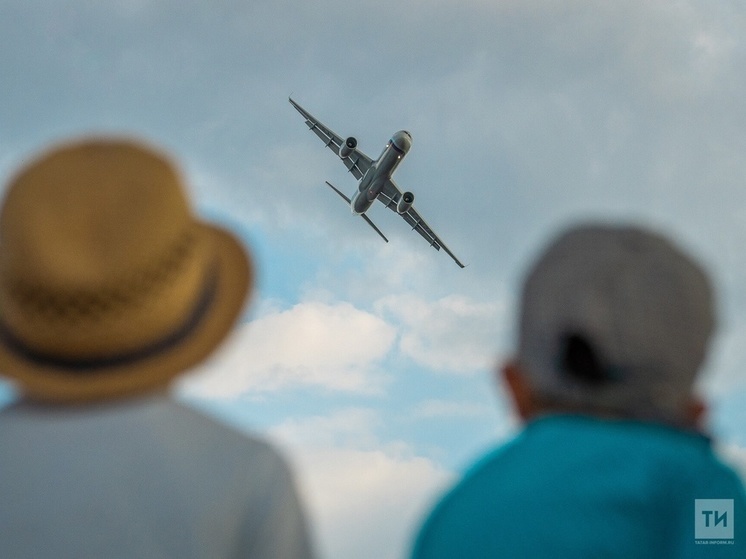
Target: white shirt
x,y
144,478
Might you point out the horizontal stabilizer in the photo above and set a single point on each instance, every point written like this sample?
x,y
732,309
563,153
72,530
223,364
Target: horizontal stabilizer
x,y
373,225
335,189
365,217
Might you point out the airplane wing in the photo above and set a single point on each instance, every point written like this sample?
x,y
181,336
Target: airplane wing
x,y
357,162
390,196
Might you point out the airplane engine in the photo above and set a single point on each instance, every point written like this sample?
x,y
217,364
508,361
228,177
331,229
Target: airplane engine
x,y
405,202
347,147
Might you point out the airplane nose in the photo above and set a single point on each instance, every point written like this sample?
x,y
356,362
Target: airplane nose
x,y
404,140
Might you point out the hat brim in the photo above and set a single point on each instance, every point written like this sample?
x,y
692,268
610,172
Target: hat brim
x,y
50,383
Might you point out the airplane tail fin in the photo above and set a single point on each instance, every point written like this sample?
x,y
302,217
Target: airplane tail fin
x,y
365,217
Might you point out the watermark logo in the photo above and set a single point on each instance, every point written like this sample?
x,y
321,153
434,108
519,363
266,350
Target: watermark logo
x,y
714,521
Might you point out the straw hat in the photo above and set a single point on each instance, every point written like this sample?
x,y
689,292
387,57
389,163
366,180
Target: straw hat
x,y
109,286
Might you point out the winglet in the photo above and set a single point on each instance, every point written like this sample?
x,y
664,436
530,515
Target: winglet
x,y
298,108
456,260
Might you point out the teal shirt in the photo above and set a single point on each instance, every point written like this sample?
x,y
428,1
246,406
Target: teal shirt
x,y
572,486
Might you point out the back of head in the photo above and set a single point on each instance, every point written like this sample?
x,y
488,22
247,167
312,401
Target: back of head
x,y
615,320
109,285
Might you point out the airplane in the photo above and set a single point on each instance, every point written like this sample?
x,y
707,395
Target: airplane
x,y
375,178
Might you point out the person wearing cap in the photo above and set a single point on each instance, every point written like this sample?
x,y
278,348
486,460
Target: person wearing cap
x,y
612,461
110,288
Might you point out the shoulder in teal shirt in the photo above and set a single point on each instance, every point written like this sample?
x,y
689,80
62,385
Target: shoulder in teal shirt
x,y
574,486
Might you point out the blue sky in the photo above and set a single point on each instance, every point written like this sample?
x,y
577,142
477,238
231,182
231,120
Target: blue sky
x,y
370,364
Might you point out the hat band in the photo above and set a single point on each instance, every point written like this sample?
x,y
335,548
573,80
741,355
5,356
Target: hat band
x,y
99,364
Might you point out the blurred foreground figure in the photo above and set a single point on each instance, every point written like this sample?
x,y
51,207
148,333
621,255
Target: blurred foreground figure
x,y
614,326
109,289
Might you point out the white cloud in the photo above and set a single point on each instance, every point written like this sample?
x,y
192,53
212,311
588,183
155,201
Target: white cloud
x,y
366,504
332,346
348,427
451,409
365,497
454,333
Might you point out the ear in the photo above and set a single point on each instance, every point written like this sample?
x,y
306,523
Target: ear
x,y
520,389
696,411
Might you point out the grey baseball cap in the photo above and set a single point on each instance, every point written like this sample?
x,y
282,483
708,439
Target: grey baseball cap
x,y
615,318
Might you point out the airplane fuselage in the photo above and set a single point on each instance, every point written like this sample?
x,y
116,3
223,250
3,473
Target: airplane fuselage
x,y
372,183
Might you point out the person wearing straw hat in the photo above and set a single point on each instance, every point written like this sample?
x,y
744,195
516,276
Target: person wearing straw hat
x,y
110,288
612,462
